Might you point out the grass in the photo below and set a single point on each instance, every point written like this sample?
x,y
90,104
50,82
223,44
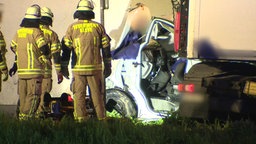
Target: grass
x,y
123,131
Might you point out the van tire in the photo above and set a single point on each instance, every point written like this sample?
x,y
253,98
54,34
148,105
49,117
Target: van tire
x,y
121,102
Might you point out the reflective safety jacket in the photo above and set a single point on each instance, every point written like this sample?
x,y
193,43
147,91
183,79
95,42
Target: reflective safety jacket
x,y
26,44
54,44
88,38
2,52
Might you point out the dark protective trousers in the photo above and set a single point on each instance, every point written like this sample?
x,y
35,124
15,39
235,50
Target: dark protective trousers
x,y
46,88
29,91
97,94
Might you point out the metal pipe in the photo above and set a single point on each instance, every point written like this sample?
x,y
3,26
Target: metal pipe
x,y
102,14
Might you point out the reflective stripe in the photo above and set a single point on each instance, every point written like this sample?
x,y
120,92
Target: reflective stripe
x,y
107,60
2,43
57,66
40,42
105,42
45,30
23,32
55,47
30,56
49,72
85,27
3,65
33,106
95,50
23,116
14,44
78,50
29,71
68,42
87,67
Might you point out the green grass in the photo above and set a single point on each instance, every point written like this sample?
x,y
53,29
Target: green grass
x,y
123,131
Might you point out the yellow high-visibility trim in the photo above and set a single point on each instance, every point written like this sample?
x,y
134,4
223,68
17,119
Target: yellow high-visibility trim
x,y
68,42
104,43
86,70
29,73
2,42
57,66
55,47
23,116
36,69
30,56
40,42
87,67
3,65
23,32
104,38
46,31
95,50
78,50
85,27
14,44
2,45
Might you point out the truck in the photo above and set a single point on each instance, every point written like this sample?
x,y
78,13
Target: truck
x,y
217,37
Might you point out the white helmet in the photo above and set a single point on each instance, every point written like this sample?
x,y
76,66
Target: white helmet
x,y
46,12
33,12
85,5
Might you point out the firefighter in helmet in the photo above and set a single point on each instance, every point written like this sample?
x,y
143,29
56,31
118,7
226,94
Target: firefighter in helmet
x,y
54,44
86,40
3,66
31,49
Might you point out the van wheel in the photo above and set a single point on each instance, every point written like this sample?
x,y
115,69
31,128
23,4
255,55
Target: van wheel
x,y
119,104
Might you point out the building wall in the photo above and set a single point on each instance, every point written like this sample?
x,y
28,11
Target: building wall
x,y
63,10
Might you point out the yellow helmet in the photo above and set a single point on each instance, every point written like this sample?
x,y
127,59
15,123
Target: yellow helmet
x,y
46,12
33,12
85,5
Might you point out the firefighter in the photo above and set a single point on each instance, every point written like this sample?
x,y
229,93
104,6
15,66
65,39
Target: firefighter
x,y
3,66
54,45
87,39
31,49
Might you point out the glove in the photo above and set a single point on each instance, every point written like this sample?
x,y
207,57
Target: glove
x,y
60,78
107,72
5,74
13,70
65,72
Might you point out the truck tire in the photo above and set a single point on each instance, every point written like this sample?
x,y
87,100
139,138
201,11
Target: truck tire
x,y
121,102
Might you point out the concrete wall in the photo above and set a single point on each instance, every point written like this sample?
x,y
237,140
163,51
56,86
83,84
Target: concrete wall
x,y
63,10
